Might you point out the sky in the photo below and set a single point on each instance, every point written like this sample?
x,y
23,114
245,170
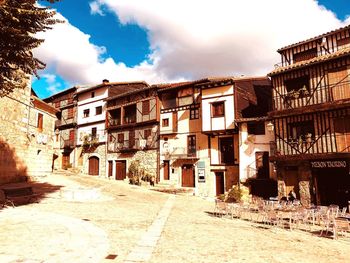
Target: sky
x,y
167,41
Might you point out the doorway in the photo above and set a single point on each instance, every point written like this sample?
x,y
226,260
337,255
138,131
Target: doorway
x,y
120,170
94,165
187,173
220,184
166,170
110,168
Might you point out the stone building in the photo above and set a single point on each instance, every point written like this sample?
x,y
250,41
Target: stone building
x,y
133,134
65,126
27,145
311,115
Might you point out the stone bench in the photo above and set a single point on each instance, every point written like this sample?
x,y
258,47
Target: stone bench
x,y
19,193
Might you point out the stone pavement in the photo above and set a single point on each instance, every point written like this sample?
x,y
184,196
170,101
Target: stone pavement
x,y
29,235
123,223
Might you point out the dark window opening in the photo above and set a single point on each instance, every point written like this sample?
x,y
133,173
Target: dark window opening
x,y
305,55
169,100
92,94
86,113
130,114
94,133
303,130
298,87
40,122
121,138
114,117
145,107
218,109
191,145
165,122
256,128
98,110
131,139
194,114
343,42
226,150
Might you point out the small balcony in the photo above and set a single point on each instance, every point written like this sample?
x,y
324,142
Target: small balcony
x,y
64,122
68,143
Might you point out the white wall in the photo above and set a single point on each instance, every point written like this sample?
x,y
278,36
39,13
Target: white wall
x,y
211,95
249,145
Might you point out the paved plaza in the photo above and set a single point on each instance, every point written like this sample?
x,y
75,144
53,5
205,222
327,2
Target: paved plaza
x,y
117,222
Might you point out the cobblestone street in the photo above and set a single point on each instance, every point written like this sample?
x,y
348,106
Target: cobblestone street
x,y
133,224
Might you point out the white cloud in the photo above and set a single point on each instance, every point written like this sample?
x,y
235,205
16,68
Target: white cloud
x,y
52,86
95,8
190,39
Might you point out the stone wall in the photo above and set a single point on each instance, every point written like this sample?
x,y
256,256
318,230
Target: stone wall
x,y
147,158
24,150
100,152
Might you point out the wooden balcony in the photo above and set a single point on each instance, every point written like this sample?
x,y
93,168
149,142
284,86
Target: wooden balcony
x,y
65,122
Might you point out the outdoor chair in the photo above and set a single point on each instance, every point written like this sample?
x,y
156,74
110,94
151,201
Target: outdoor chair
x,y
272,218
340,225
334,209
220,208
342,212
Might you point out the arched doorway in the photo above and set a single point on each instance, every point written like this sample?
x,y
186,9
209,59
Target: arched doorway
x,y
94,165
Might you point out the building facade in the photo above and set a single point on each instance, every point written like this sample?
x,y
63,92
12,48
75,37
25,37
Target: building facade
x,y
133,130
311,114
65,126
26,136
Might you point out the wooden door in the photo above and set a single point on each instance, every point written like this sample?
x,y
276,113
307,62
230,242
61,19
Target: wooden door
x,y
94,165
262,165
188,175
339,83
110,168
65,160
220,184
291,180
120,170
166,170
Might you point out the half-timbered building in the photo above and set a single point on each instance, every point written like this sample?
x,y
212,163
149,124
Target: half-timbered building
x,y
311,115
132,130
65,127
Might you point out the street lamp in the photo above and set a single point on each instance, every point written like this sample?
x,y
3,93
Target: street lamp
x,y
270,126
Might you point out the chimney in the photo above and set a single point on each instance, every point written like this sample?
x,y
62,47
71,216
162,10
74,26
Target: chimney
x,y
105,81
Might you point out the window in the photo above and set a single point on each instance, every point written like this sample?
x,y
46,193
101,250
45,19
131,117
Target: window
x,y
301,130
226,150
86,113
93,132
147,133
194,114
191,145
256,128
169,100
70,113
40,122
98,110
121,138
218,109
92,94
343,43
297,87
165,122
145,107
305,55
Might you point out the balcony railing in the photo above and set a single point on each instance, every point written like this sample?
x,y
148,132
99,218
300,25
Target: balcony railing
x,y
63,122
319,144
181,152
113,122
129,119
130,145
69,143
321,94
